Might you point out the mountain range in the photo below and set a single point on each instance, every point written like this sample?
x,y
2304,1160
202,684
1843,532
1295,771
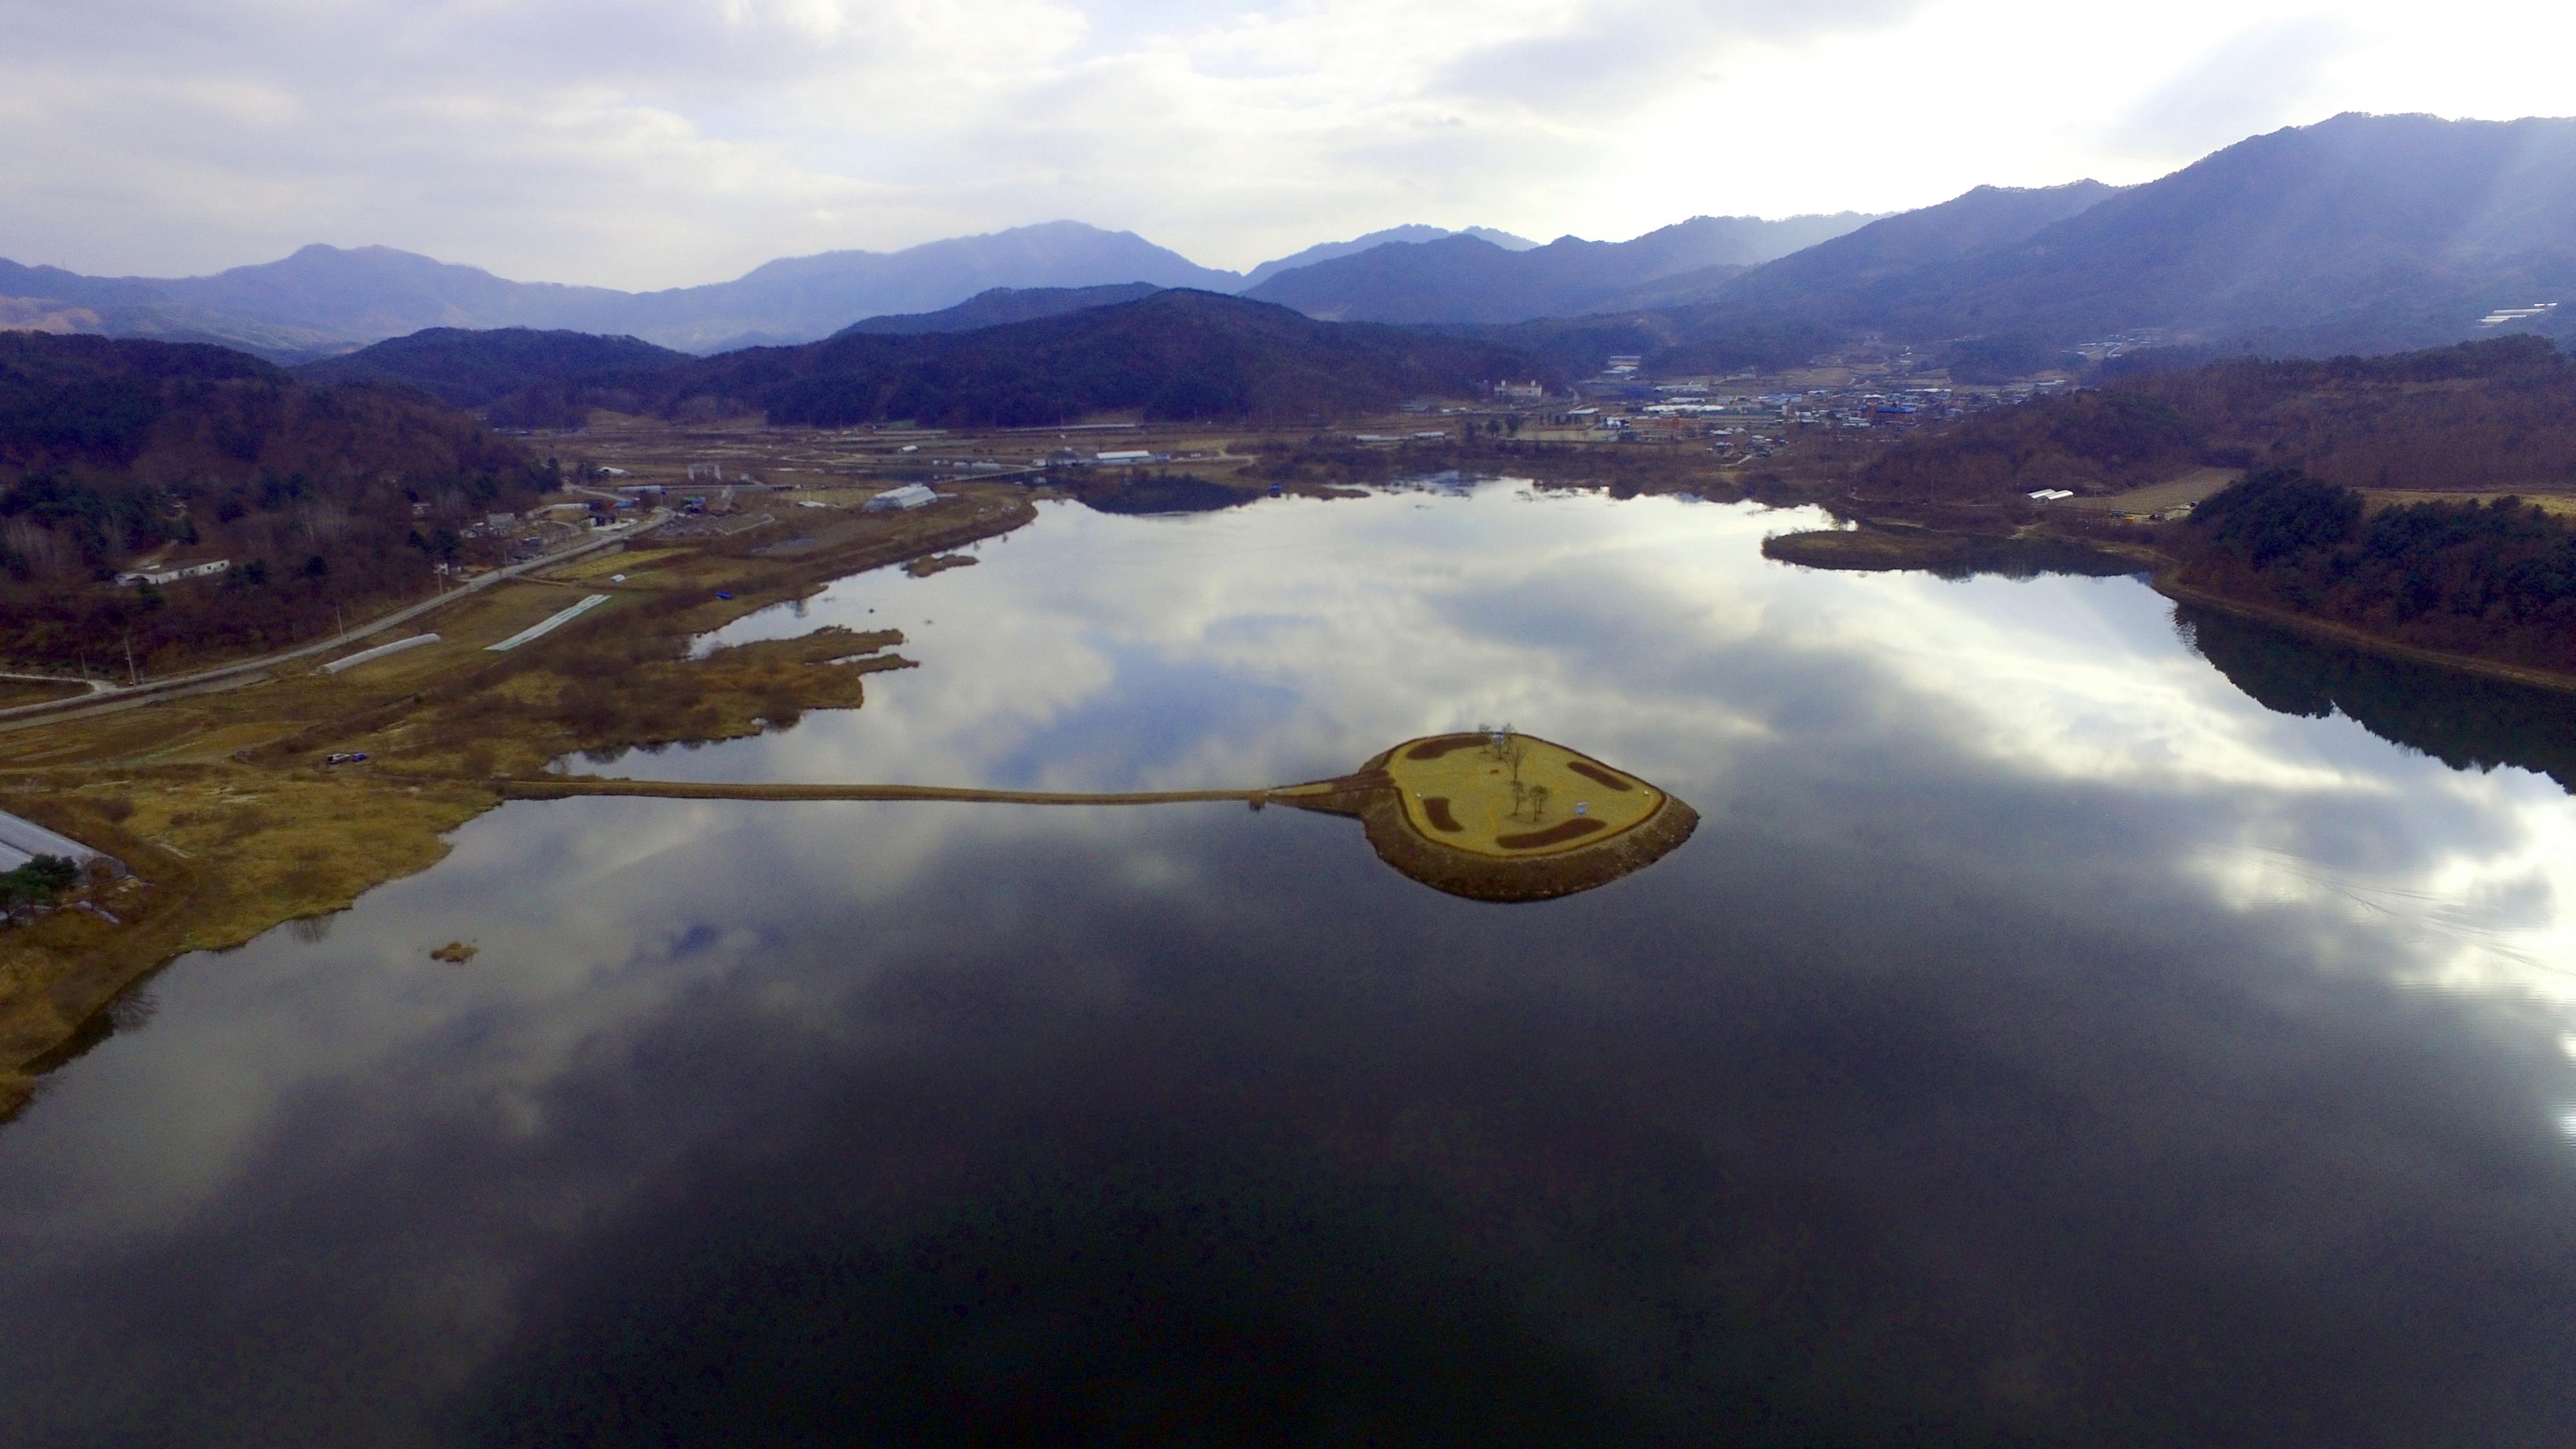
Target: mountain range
x,y
1464,278
325,300
2360,233
1172,354
1329,251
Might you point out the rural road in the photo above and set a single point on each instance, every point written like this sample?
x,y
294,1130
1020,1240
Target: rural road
x,y
104,699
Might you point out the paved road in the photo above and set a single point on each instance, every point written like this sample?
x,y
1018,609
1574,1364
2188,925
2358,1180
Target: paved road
x,y
103,699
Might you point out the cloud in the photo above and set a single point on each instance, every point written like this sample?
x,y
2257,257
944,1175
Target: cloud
x,y
1609,58
688,140
2256,80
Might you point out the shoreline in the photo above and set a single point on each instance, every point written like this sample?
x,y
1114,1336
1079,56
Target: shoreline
x,y
324,837
421,789
2552,680
1879,548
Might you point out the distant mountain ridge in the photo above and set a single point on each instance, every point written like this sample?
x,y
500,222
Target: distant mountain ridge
x,y
1465,279
2360,233
1334,251
327,299
1840,273
1173,354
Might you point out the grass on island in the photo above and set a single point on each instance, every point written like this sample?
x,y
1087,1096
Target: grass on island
x,y
1530,796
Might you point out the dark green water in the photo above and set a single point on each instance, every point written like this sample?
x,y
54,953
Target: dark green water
x,y
2051,1036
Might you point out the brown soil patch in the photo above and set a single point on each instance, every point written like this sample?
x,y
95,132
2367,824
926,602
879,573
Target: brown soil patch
x,y
1556,834
1438,745
1437,808
1597,775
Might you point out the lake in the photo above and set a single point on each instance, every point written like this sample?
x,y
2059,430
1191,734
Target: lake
x,y
2069,1024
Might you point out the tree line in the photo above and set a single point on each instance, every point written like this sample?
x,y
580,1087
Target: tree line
x,y
2495,579
327,502
2486,416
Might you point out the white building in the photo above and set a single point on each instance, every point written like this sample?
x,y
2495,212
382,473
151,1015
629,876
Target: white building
x,y
172,573
903,499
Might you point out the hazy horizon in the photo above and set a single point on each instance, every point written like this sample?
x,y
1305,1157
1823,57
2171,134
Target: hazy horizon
x,y
563,140
360,246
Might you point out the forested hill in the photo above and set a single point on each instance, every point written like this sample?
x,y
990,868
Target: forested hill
x,y
1467,279
2491,416
112,451
1003,305
1174,355
2493,580
2361,233
470,368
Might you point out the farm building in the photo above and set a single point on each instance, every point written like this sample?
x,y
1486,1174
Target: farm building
x,y
22,840
171,573
909,496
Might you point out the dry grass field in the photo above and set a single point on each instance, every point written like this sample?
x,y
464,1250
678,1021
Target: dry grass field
x,y
2561,503
2190,488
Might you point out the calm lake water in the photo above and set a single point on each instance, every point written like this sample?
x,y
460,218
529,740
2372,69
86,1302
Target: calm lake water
x,y
2051,1036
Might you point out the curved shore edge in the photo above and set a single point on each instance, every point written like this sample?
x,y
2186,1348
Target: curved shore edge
x,y
70,1004
1533,878
1369,795
1934,550
2553,680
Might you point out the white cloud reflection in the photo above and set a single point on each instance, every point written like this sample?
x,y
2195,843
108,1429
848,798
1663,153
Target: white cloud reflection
x,y
1293,640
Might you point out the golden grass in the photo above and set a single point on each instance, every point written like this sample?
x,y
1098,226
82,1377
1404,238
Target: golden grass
x,y
1457,792
221,853
2563,504
2191,487
631,561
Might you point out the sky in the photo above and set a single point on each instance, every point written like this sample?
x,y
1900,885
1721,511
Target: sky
x,y
685,141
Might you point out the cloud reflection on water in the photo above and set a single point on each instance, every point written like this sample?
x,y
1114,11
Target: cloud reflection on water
x,y
2030,1041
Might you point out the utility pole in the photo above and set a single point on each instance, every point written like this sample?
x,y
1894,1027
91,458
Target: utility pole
x,y
131,678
